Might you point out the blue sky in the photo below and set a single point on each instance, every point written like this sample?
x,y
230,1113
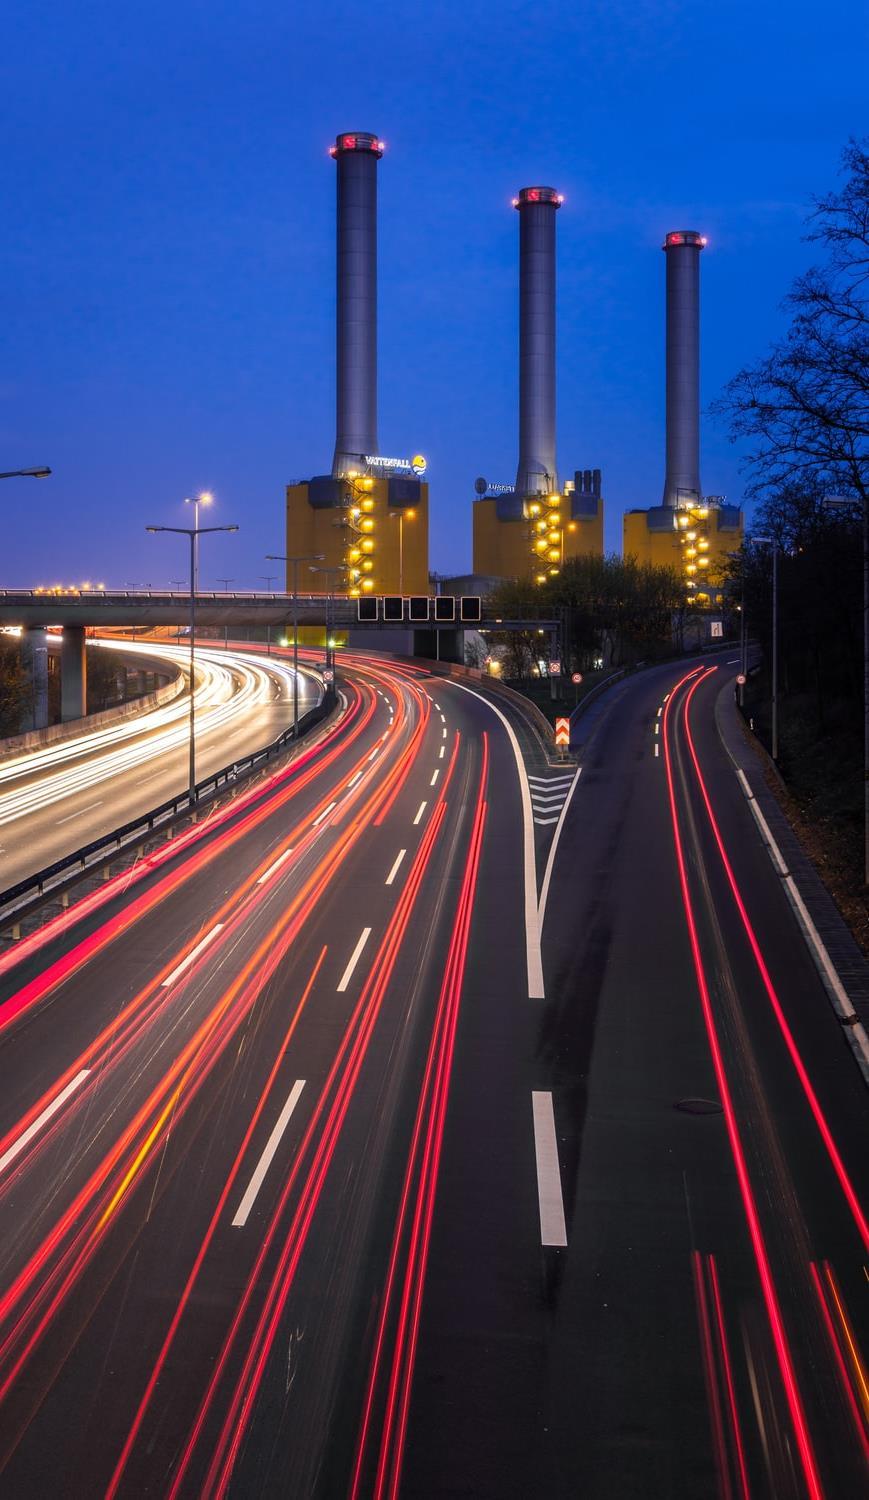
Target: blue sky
x,y
168,264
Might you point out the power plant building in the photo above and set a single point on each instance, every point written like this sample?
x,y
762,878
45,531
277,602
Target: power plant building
x,y
690,532
532,530
369,517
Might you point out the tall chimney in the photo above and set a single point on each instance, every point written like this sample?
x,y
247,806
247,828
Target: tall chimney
x,y
357,154
682,482
537,209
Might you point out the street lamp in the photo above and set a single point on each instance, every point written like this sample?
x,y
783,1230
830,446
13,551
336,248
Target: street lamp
x,y
305,557
770,541
400,517
194,534
844,502
205,498
268,579
26,474
330,655
226,582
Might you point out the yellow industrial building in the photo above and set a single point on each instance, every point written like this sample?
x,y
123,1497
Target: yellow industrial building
x,y
533,536
372,531
696,539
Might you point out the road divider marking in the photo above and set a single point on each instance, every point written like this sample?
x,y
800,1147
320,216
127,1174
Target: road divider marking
x,y
48,1113
657,729
192,955
354,959
552,1226
550,862
265,1161
441,752
660,710
80,814
657,750
435,775
422,808
324,814
272,867
394,871
354,780
375,751
444,732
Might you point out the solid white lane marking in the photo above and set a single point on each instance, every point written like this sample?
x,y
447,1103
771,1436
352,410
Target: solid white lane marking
x,y
550,862
422,808
394,871
533,956
732,662
354,959
435,776
192,955
441,752
552,1226
271,869
767,837
324,814
36,1125
80,814
265,1161
354,780
657,749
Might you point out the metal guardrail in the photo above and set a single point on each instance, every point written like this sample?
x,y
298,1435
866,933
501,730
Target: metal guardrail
x,y
19,899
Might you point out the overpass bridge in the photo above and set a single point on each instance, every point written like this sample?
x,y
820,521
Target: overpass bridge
x,y
35,611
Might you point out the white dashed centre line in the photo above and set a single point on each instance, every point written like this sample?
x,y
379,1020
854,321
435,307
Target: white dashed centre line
x,y
265,1161
395,868
354,959
324,814
48,1113
441,752
354,780
422,808
271,869
435,776
552,1226
193,954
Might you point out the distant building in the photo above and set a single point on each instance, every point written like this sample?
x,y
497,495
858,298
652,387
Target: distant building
x,y
533,536
695,537
375,530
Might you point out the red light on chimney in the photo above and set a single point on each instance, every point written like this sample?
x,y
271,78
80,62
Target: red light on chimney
x,y
349,141
533,195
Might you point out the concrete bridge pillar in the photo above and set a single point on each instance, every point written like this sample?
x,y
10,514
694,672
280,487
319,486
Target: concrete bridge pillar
x,y
34,654
73,673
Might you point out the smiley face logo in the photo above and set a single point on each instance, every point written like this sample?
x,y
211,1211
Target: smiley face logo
x,y
418,464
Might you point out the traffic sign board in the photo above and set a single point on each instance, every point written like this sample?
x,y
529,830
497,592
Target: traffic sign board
x,y
576,677
562,731
555,669
328,674
741,679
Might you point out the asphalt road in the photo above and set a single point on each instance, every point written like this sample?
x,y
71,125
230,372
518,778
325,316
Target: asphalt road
x,y
74,791
310,1190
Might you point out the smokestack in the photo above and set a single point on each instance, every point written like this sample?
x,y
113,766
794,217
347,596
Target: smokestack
x,y
537,209
357,155
682,482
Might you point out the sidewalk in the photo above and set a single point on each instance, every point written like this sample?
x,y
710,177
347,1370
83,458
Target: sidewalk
x,y
843,970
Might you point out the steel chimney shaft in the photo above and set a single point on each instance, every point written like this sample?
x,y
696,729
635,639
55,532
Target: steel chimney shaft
x,y
356,154
682,248
537,208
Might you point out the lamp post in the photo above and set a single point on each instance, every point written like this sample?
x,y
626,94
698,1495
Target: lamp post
x,y
844,502
305,557
770,541
330,655
196,500
194,533
268,579
226,582
177,583
42,473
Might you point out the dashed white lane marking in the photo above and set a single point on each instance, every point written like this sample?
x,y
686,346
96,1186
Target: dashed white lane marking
x,y
324,814
375,751
271,869
552,1227
354,780
265,1161
354,959
422,808
394,871
657,749
657,729
435,775
444,732
437,705
48,1113
660,710
193,954
443,718
80,814
441,752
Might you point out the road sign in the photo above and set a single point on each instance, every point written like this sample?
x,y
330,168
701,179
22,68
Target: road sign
x,y
741,679
562,731
576,677
716,629
328,674
555,669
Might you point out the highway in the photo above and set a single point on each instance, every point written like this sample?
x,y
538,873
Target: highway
x,y
437,1121
72,791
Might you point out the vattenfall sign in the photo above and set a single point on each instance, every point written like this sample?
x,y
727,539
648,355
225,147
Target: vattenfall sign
x,y
415,465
